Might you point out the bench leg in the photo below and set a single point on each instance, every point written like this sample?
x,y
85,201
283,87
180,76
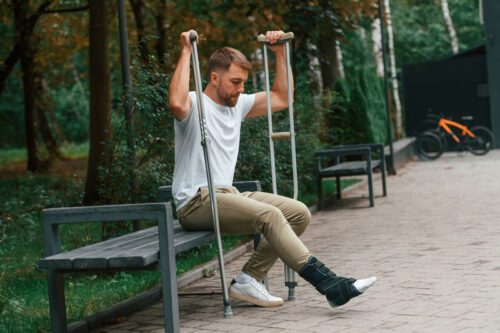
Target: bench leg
x,y
168,274
370,187
339,188
384,186
319,184
57,303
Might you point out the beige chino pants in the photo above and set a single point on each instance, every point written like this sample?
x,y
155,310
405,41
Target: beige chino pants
x,y
279,219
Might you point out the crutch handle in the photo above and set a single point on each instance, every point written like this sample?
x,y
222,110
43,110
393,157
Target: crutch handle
x,y
281,136
287,36
193,35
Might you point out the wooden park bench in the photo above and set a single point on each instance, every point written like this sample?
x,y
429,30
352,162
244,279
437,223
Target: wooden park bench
x,y
148,249
333,163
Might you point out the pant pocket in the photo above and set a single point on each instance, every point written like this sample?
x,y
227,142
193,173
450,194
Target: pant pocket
x,y
190,207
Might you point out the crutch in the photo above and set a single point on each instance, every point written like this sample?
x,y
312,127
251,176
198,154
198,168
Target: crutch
x,y
228,313
290,276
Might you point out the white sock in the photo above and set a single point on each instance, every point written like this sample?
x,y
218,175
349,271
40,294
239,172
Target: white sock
x,y
362,284
243,278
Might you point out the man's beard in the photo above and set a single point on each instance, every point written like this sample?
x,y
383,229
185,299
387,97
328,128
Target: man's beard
x,y
227,100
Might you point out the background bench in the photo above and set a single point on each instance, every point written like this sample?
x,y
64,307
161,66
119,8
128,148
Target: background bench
x,y
333,163
151,248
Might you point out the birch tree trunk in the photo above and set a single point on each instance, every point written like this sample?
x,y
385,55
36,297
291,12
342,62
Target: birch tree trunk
x,y
377,47
449,26
340,64
392,60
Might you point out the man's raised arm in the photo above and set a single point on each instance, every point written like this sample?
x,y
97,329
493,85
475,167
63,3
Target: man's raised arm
x,y
178,93
279,92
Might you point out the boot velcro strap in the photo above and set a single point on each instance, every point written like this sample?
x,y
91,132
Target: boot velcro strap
x,y
326,284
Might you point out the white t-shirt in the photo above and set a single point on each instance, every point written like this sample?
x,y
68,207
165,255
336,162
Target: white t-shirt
x,y
223,131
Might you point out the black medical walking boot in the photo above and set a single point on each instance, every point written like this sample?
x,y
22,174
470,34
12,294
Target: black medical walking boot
x,y
338,290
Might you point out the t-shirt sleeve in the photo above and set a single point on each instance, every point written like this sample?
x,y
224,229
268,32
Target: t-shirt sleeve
x,y
246,104
191,111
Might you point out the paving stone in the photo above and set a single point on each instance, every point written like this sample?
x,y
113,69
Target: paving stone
x,y
432,242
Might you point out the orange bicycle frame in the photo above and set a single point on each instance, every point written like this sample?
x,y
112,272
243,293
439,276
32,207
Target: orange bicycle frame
x,y
465,131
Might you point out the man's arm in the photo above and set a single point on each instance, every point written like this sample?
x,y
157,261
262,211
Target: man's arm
x,y
178,93
279,92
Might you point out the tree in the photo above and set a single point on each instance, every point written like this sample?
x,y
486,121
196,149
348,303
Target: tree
x,y
449,26
24,50
377,47
100,96
394,79
25,27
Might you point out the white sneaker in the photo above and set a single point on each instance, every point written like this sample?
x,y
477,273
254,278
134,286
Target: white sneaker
x,y
253,292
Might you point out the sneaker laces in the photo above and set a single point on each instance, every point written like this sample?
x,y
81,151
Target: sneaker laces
x,y
260,287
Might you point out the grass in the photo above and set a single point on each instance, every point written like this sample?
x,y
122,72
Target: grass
x,y
23,296
23,292
17,155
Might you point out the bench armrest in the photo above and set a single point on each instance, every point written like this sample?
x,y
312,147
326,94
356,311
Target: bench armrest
x,y
373,146
343,151
53,217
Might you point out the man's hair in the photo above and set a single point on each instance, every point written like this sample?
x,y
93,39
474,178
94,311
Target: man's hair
x,y
224,57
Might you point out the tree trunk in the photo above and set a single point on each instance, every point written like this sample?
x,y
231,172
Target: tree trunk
x,y
25,26
100,96
161,31
138,11
377,47
43,124
314,74
449,26
340,64
394,79
327,58
27,53
27,66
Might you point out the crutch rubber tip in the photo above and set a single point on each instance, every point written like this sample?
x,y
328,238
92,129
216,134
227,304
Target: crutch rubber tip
x,y
228,312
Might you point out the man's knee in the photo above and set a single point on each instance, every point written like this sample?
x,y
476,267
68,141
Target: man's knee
x,y
270,219
303,216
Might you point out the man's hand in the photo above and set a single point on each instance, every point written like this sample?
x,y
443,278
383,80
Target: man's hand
x,y
272,38
186,42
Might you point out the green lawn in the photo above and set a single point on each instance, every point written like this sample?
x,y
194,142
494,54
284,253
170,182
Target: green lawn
x,y
15,155
23,292
23,296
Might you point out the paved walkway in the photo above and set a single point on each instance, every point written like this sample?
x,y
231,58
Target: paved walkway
x,y
434,244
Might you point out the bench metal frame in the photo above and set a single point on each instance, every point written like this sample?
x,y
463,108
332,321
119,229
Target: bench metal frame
x,y
363,164
156,254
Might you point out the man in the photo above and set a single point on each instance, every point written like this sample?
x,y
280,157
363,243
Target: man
x,y
279,219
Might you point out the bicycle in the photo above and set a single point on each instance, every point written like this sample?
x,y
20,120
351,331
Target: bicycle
x,y
432,142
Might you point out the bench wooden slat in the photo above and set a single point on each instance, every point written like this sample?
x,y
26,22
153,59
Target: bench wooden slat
x,y
348,168
100,258
64,260
148,254
125,251
192,239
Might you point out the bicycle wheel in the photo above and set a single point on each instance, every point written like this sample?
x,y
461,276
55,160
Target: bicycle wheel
x,y
428,146
483,142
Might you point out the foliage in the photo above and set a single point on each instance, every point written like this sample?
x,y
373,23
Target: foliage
x,y
23,296
153,137
362,93
420,33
